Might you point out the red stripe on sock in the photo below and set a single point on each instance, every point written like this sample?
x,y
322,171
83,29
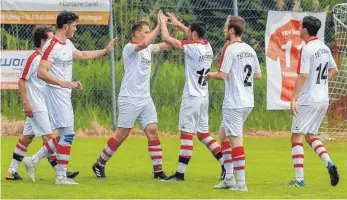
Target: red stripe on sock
x,y
186,136
154,149
216,150
63,149
21,148
239,158
321,153
298,156
156,157
185,147
298,165
55,141
297,144
228,161
312,140
112,144
22,143
318,146
50,158
202,136
48,148
154,143
237,151
226,152
211,142
106,154
226,145
239,168
63,162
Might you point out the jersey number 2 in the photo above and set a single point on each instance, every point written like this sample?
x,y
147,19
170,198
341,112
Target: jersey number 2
x,y
247,69
322,74
202,74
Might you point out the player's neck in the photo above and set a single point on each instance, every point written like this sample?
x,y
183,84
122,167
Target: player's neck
x,y
197,39
136,40
309,38
61,36
39,49
235,39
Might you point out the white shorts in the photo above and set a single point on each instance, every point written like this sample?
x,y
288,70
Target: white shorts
x,y
193,114
133,109
38,125
309,118
234,119
59,106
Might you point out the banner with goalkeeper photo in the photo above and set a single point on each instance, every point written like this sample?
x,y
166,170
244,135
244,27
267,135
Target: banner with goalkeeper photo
x,y
282,47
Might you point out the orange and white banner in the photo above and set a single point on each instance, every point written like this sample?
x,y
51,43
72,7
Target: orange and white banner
x,y
12,65
282,47
46,11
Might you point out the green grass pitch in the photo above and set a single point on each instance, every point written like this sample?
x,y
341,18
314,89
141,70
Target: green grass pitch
x,y
129,172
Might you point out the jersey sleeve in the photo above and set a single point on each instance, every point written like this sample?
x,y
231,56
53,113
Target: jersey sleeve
x,y
73,47
226,60
154,47
187,47
332,63
49,52
28,70
304,62
257,65
129,49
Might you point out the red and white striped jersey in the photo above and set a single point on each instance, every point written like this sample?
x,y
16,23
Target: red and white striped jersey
x,y
315,61
197,62
34,85
240,61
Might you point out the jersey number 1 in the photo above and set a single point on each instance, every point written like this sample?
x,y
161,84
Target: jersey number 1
x,y
202,74
322,74
247,69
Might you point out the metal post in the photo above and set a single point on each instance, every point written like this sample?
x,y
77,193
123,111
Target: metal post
x,y
236,10
112,69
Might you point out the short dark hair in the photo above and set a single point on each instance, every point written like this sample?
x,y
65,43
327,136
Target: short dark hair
x,y
312,24
138,25
40,33
237,23
66,17
199,27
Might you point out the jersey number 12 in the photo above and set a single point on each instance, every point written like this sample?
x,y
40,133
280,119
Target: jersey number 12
x,y
247,69
202,74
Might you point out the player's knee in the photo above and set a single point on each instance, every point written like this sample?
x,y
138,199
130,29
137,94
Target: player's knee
x,y
46,138
66,135
152,131
309,137
27,139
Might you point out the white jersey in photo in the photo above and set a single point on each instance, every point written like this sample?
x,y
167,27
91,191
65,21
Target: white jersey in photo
x,y
240,62
59,99
137,70
315,61
34,85
198,58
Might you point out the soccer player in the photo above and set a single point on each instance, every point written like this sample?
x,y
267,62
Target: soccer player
x,y
31,91
55,68
193,116
238,67
310,100
134,101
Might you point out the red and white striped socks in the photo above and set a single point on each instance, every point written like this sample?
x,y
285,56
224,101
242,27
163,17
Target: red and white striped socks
x,y
319,148
298,160
109,149
48,149
186,152
63,157
18,155
228,162
156,153
212,145
239,162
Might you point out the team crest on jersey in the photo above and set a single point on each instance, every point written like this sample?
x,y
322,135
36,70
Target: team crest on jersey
x,y
144,60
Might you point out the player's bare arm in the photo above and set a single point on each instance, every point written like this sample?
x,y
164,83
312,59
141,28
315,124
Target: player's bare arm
x,y
257,76
163,46
299,84
173,19
23,95
216,76
332,73
166,35
88,55
149,39
44,75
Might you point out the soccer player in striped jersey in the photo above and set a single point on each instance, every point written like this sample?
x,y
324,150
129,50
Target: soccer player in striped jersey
x,y
135,102
193,116
37,122
238,68
310,100
55,69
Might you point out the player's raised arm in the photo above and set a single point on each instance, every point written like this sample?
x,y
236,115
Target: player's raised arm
x,y
149,39
165,33
163,46
88,55
177,23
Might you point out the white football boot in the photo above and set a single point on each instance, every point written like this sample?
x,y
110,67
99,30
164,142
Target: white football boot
x,y
30,166
226,184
